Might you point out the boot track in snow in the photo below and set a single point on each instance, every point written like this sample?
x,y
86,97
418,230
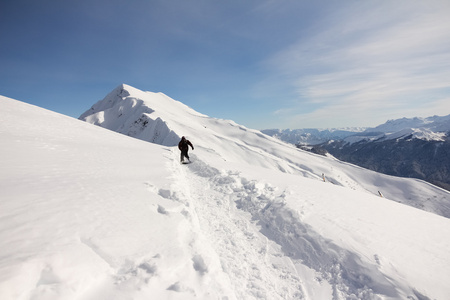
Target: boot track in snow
x,y
259,246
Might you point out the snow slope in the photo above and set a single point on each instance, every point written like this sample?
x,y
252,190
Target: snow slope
x,y
86,213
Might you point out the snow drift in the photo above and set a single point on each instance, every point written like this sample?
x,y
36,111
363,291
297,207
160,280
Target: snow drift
x,y
87,213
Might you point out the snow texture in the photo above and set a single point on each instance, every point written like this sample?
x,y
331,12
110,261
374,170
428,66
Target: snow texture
x,y
88,213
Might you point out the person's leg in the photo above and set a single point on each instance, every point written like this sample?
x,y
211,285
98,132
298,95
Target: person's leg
x,y
183,155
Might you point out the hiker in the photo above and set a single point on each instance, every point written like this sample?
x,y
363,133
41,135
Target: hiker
x,y
183,146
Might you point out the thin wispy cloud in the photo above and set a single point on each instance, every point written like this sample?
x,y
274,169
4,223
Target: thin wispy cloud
x,y
370,62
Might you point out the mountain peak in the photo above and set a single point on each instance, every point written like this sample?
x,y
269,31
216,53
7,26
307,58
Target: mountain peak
x,y
135,113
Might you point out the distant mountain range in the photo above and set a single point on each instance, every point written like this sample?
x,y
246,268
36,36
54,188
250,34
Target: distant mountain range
x,y
407,147
312,136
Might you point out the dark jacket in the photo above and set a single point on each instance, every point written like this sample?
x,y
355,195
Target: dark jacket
x,y
183,145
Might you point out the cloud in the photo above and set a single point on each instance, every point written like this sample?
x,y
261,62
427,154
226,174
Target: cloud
x,y
371,59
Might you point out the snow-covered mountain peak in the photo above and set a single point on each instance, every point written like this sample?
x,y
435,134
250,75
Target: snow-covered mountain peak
x,y
143,115
113,98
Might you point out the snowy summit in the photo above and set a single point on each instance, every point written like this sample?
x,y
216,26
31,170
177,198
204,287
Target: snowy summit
x,y
89,213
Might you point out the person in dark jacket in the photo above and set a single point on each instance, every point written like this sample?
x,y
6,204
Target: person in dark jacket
x,y
183,146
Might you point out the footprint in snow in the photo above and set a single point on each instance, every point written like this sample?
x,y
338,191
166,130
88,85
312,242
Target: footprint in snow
x,y
179,288
377,259
164,193
162,210
199,264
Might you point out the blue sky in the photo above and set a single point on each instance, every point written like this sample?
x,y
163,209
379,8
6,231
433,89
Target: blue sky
x,y
263,64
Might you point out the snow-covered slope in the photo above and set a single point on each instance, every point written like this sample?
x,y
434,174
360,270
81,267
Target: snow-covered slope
x,y
86,213
223,140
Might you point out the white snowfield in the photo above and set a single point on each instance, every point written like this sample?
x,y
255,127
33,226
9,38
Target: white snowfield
x,y
88,213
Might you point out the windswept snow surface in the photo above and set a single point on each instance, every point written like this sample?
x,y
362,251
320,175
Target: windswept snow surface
x,y
87,213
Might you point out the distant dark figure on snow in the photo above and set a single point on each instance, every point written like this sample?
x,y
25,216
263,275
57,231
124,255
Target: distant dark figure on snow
x,y
183,146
